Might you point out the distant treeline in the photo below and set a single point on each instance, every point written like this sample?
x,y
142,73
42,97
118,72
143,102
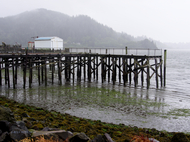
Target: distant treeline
x,y
8,47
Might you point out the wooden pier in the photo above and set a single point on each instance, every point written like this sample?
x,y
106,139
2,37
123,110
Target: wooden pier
x,y
125,69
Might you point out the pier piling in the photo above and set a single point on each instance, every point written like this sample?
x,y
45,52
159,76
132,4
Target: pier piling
x,y
122,68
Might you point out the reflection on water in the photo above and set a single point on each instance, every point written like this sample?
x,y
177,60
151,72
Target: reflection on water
x,y
87,94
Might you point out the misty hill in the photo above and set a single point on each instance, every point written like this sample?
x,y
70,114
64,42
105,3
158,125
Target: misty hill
x,y
78,31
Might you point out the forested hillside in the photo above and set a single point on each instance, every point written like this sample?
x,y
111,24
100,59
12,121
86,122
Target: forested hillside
x,y
78,31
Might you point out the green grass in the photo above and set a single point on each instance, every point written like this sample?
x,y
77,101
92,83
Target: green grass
x,y
179,112
102,98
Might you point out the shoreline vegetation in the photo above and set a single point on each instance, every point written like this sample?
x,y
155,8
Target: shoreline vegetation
x,y
40,118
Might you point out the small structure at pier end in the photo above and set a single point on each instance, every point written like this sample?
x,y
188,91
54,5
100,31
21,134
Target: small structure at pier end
x,y
53,43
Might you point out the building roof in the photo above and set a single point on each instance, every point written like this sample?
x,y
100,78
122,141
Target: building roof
x,y
48,38
44,38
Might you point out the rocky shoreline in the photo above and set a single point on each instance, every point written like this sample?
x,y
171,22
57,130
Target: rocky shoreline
x,y
31,122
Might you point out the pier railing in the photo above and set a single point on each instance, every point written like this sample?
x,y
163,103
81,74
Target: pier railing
x,y
117,51
112,51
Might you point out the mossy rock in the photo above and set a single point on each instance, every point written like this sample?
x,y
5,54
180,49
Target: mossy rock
x,y
6,114
38,125
179,137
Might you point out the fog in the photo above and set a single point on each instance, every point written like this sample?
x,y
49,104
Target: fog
x,y
165,21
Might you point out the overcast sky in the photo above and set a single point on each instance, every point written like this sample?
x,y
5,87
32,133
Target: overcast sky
x,y
162,20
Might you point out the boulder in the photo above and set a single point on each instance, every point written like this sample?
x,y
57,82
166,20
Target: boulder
x,y
179,137
15,132
98,138
35,128
56,135
4,126
108,138
21,125
18,134
50,129
105,138
25,115
28,124
5,137
12,131
80,137
46,129
31,119
12,126
6,114
65,135
18,131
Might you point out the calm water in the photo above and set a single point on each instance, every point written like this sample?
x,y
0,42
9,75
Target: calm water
x,y
164,108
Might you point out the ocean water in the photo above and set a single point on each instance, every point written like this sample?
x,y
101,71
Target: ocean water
x,y
176,96
165,108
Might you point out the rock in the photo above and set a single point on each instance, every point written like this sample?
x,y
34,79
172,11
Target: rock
x,y
18,131
21,125
50,129
80,137
12,126
35,128
108,138
4,126
5,137
127,140
179,137
6,114
31,119
18,134
28,124
57,135
98,138
105,138
46,129
162,134
25,115
12,131
64,135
